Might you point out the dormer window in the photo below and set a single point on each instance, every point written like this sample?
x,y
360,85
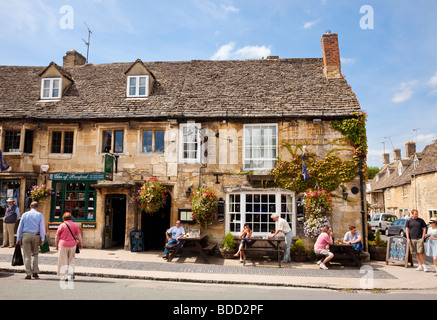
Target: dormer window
x,y
51,88
137,86
140,80
400,169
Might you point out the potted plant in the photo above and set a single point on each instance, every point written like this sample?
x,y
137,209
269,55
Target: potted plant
x,y
203,206
227,249
40,193
152,196
298,251
378,248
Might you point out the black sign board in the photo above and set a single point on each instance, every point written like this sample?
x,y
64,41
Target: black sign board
x,y
136,241
398,250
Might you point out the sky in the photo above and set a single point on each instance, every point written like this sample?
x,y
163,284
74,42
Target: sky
x,y
388,48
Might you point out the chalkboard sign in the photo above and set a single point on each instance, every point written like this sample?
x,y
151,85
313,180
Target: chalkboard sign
x,y
136,241
398,250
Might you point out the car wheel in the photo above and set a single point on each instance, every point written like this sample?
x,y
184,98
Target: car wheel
x,y
402,233
386,232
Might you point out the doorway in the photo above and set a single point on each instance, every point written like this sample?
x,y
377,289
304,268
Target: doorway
x,y
155,225
115,221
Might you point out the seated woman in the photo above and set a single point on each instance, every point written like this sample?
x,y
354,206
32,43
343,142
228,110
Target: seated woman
x,y
245,233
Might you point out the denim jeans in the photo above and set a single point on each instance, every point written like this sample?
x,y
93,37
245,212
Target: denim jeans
x,y
288,237
172,241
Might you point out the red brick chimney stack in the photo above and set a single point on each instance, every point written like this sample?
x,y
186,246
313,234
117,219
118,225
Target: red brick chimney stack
x,y
331,55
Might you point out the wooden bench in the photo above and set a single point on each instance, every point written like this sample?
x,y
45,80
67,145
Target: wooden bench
x,y
345,257
210,248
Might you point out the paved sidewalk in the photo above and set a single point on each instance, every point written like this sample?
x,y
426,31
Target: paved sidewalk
x,y
149,265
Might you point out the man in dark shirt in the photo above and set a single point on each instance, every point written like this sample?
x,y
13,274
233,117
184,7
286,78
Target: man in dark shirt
x,y
416,230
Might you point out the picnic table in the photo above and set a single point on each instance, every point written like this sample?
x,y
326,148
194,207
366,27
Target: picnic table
x,y
274,246
345,252
184,241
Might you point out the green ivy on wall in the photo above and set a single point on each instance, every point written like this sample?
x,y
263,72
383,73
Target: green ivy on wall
x,y
329,172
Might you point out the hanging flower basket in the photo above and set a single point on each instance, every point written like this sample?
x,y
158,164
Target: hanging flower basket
x,y
40,193
318,203
152,196
203,206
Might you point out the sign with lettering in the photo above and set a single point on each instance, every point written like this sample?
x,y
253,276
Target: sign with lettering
x,y
77,176
398,250
89,225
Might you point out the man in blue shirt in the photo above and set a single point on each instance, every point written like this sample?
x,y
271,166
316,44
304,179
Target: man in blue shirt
x,y
30,234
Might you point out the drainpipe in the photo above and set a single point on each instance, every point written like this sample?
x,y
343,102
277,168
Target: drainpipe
x,y
363,212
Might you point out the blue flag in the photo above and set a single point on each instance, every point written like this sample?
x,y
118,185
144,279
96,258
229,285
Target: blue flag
x,y
304,172
3,164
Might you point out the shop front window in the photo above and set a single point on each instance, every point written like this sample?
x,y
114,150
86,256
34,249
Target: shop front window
x,y
9,189
76,197
256,209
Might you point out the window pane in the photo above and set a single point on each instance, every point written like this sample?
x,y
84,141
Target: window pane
x,y
55,92
12,141
56,141
159,141
28,141
46,88
118,141
132,86
68,142
107,141
147,141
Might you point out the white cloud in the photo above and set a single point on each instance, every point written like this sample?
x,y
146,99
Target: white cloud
x,y
230,8
348,61
426,138
433,83
405,92
310,24
228,51
224,52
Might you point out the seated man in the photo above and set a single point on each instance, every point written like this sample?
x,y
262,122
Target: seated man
x,y
322,247
353,237
175,233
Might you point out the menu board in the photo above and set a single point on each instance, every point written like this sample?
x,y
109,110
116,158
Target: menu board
x,y
136,241
398,250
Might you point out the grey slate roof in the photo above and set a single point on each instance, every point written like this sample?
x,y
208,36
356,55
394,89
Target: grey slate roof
x,y
427,164
191,89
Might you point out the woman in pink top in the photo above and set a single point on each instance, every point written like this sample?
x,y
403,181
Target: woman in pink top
x,y
321,247
67,244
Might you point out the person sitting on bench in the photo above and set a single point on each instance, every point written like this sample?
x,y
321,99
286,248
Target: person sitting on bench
x,y
322,247
175,233
353,237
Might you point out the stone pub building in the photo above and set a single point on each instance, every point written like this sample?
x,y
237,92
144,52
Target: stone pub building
x,y
190,123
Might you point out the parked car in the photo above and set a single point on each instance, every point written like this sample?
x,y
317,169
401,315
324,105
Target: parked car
x,y
396,228
381,221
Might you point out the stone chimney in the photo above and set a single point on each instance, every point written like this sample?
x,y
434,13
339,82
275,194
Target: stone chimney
x,y
74,58
386,158
331,55
410,149
397,154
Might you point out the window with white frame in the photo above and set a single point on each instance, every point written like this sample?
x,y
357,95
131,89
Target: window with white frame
x,y
189,146
137,86
260,146
405,191
51,88
255,208
432,213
